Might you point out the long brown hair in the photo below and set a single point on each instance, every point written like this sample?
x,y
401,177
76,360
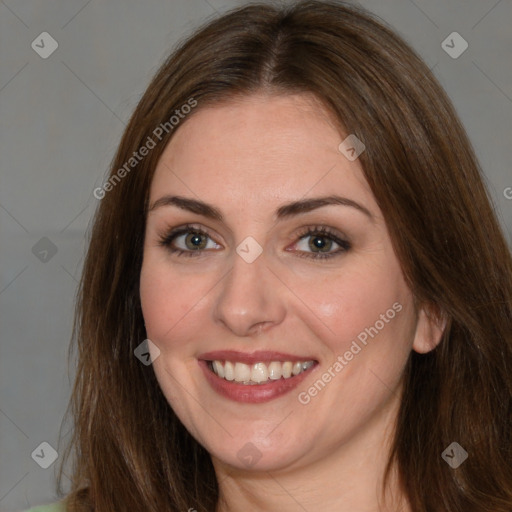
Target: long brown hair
x,y
130,450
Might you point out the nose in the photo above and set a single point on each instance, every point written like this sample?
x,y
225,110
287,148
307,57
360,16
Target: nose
x,y
250,298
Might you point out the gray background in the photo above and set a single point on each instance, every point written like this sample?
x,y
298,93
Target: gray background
x,y
60,121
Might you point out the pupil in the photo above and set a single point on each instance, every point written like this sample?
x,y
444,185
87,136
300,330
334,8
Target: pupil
x,y
319,242
195,240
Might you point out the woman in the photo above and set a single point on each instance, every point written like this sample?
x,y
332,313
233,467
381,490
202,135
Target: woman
x,y
296,235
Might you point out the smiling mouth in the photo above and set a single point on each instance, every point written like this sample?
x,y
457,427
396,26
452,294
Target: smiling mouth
x,y
258,373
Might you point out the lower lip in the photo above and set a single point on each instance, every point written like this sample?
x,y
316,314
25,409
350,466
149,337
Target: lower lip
x,y
256,393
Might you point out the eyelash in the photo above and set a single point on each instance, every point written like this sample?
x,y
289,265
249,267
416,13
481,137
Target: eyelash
x,y
321,231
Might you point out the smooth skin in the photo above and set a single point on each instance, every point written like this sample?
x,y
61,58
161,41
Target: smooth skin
x,y
247,158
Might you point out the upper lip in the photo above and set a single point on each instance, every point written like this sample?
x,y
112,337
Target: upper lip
x,y
260,356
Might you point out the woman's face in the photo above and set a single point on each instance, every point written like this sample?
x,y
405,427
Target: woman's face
x,y
281,265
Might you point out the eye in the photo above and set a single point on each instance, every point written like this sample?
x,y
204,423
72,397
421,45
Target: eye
x,y
187,241
321,241
314,242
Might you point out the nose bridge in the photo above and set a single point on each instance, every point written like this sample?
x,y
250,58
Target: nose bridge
x,y
246,301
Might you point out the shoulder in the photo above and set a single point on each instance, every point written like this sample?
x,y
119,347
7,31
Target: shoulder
x,y
53,507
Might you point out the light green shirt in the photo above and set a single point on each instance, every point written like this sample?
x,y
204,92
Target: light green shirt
x,y
53,507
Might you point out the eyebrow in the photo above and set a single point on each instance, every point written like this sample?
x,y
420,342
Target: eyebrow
x,y
287,210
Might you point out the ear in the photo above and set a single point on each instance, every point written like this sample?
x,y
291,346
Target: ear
x,y
429,329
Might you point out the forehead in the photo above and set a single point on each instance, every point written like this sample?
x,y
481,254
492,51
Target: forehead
x,y
259,146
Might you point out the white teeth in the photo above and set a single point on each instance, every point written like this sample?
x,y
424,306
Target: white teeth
x,y
297,368
229,370
219,369
287,369
274,371
242,372
258,373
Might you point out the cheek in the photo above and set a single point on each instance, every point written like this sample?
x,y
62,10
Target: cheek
x,y
154,297
172,301
350,301
162,307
